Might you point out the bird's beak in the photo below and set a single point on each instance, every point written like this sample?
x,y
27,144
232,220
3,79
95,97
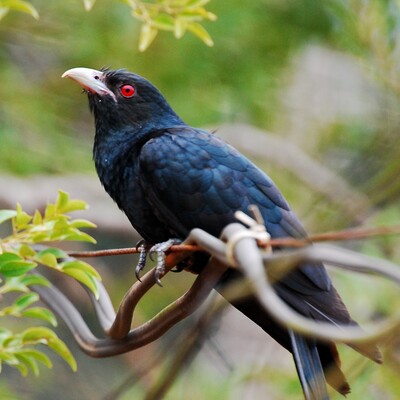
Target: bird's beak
x,y
90,79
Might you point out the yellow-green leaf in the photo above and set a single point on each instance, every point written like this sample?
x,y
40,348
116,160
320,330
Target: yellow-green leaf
x,y
28,362
37,334
3,12
84,278
26,300
46,258
13,265
6,215
46,336
201,33
37,355
164,22
40,313
82,223
82,265
180,27
37,218
22,6
147,34
26,251
22,219
88,4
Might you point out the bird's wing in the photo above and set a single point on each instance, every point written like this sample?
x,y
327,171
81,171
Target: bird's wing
x,y
194,179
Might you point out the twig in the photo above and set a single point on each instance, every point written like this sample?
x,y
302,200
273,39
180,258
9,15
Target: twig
x,y
347,234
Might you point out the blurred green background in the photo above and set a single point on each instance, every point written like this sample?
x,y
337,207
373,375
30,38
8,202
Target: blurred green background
x,y
322,77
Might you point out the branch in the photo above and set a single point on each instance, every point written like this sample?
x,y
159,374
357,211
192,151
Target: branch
x,y
343,235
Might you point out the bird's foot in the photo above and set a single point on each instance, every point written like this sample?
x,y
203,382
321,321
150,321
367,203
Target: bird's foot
x,y
143,249
160,250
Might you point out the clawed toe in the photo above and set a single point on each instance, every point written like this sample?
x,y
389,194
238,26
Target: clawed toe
x,y
143,248
159,250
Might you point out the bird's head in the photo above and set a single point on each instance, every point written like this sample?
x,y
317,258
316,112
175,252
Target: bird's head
x,y
121,101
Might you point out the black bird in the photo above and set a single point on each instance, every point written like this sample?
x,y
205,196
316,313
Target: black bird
x,y
169,178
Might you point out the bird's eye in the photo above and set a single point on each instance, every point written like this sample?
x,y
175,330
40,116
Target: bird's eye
x,y
127,91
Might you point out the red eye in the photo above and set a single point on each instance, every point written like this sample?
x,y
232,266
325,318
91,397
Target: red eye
x,y
127,91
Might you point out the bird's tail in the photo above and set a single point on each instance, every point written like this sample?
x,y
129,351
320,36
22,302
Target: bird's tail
x,y
309,367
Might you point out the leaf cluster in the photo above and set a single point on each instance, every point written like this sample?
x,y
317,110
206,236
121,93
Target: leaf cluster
x,y
177,16
20,253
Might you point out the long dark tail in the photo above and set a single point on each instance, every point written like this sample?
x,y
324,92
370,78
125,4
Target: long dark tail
x,y
316,362
309,367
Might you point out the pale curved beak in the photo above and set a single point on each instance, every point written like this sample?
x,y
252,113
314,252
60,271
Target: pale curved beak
x,y
90,79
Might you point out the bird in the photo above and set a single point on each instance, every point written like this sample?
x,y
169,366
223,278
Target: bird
x,y
169,178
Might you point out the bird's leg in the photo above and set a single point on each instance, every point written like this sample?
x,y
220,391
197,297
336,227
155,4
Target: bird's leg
x,y
143,248
160,249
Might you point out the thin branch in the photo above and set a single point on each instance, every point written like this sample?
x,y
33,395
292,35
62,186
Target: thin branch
x,y
343,235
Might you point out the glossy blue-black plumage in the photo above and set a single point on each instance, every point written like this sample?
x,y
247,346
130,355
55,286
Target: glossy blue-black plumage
x,y
169,178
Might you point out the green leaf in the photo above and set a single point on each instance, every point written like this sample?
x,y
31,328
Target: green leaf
x,y
37,355
21,283
22,219
50,211
50,256
40,313
62,350
16,268
75,205
8,358
196,4
22,368
164,22
179,27
37,218
6,215
19,5
38,334
56,252
88,4
47,336
62,200
147,34
28,362
26,300
82,223
64,204
201,33
46,258
84,278
8,256
4,334
26,251
76,235
83,266
3,12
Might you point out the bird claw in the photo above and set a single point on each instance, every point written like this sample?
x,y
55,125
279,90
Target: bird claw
x,y
143,248
160,249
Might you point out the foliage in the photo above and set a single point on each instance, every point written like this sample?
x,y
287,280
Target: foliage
x,y
17,5
177,16
19,255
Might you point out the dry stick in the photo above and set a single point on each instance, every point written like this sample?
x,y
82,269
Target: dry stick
x,y
347,234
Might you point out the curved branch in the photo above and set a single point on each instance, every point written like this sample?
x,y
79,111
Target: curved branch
x,y
251,263
142,335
